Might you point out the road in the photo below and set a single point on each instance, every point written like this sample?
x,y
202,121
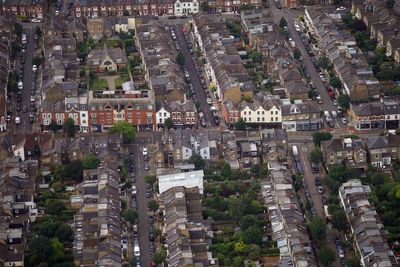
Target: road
x,y
194,75
304,151
291,16
25,126
143,224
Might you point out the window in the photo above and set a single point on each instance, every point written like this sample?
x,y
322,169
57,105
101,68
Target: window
x,y
83,115
244,119
258,112
160,114
165,114
276,112
272,113
244,112
262,112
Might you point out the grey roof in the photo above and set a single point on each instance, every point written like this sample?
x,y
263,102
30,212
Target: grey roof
x,y
376,142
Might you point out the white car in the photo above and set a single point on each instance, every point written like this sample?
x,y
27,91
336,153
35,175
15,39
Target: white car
x,y
145,151
34,68
209,101
134,190
136,250
318,97
335,103
20,85
32,98
344,120
35,20
17,120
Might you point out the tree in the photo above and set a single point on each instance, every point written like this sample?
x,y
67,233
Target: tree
x,y
237,261
38,31
240,125
323,62
335,82
39,249
53,126
353,261
390,3
317,229
72,171
247,221
254,252
198,162
18,29
321,136
282,23
255,56
126,129
69,127
180,58
152,205
130,215
326,255
297,54
168,123
339,220
90,162
150,179
344,101
316,155
159,256
252,235
226,171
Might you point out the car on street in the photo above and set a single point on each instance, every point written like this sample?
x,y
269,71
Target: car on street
x,y
146,166
321,189
148,194
335,103
24,109
337,241
317,180
134,190
209,101
324,201
8,116
34,68
344,120
17,120
20,85
136,250
151,219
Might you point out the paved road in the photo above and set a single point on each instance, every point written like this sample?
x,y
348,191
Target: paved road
x,y
304,151
25,126
194,75
143,224
291,17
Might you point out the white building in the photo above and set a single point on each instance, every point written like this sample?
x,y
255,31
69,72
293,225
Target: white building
x,y
264,109
161,115
186,7
186,179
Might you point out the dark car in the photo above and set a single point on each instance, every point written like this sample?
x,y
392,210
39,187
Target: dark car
x,y
324,201
151,237
148,194
24,109
317,180
151,219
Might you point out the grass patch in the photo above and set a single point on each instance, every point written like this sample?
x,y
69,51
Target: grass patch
x,y
123,77
98,84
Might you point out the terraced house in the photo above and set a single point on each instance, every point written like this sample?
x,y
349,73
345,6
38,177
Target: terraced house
x,y
24,8
263,109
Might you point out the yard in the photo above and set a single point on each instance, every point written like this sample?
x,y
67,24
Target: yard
x,y
98,84
123,77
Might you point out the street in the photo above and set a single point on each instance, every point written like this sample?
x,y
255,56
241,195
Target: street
x,y
143,223
194,75
304,151
291,16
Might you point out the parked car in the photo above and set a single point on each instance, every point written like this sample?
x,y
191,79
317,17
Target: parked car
x,y
344,120
146,166
317,180
321,189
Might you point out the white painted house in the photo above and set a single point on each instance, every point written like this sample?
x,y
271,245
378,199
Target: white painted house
x,y
161,115
186,7
263,109
186,179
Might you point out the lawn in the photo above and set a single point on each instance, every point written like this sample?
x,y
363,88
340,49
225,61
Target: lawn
x,y
98,84
123,77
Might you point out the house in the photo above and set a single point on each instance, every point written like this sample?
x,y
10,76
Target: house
x,y
4,76
97,224
287,221
350,151
186,7
185,231
263,109
301,116
274,145
370,240
186,179
161,115
230,112
370,115
292,4
98,28
382,150
230,149
183,114
26,8
217,6
297,90
106,59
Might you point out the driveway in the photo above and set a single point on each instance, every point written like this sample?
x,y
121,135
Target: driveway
x,y
194,75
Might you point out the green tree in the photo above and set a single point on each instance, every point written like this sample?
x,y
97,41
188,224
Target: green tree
x,y
58,253
317,229
90,162
339,220
323,62
316,155
18,29
254,252
72,171
226,171
252,235
159,256
297,54
353,261
152,205
54,206
390,3
198,162
255,56
247,221
326,255
150,179
344,101
69,127
321,136
168,123
335,82
39,249
130,215
240,125
126,129
237,261
53,126
180,58
38,31
282,23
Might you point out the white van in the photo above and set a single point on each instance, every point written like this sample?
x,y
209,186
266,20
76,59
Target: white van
x,y
334,114
326,113
136,250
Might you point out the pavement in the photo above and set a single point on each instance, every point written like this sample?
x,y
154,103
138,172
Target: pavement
x,y
194,75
